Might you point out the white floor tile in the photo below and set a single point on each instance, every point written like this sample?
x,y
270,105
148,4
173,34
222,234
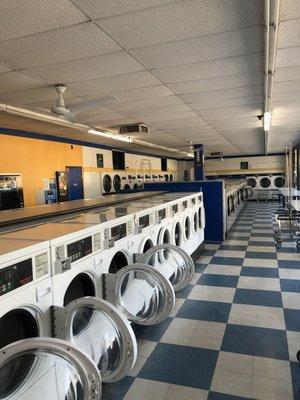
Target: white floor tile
x,y
259,262
212,293
195,278
261,249
211,246
233,383
208,335
178,304
147,390
223,269
261,239
248,282
293,339
177,392
271,388
235,362
236,242
272,368
291,300
286,273
230,253
289,256
263,317
204,259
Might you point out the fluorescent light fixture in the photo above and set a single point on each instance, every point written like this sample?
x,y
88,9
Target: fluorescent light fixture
x,y
110,135
267,121
191,155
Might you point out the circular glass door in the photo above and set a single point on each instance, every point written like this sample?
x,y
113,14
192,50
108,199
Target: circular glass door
x,y
107,183
187,228
96,327
265,182
195,221
279,182
176,265
117,183
178,234
31,367
143,294
252,182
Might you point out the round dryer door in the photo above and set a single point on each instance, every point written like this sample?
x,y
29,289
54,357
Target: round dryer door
x,y
117,183
107,183
279,182
201,215
265,182
173,262
101,331
47,367
252,182
141,292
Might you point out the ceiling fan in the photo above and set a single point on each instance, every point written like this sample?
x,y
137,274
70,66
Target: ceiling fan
x,y
70,112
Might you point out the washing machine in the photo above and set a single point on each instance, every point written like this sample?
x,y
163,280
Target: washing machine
x,y
264,182
47,367
25,289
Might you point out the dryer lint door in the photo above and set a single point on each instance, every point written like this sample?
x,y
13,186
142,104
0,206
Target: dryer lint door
x,y
102,332
142,293
171,261
47,368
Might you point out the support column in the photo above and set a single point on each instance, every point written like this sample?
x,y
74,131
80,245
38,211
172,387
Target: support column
x,y
199,172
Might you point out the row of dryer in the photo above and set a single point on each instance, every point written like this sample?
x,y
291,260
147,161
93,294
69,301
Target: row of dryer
x,y
76,286
274,182
113,182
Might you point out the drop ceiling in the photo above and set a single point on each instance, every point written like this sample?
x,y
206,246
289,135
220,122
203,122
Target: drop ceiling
x,y
190,69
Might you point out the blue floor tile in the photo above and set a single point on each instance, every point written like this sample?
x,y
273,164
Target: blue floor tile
x,y
116,390
260,272
261,255
183,294
292,320
181,365
265,298
204,310
292,250
218,280
222,396
199,267
227,261
232,247
153,332
290,285
253,341
262,244
207,252
289,264
242,230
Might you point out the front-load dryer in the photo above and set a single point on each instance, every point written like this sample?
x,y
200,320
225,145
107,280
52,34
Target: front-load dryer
x,y
264,182
111,182
278,181
25,289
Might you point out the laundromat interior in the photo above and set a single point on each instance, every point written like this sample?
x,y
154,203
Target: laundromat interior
x,y
149,199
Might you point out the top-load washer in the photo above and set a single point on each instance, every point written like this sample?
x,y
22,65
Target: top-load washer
x,y
25,289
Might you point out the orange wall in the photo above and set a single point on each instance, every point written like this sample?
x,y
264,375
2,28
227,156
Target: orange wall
x,y
35,160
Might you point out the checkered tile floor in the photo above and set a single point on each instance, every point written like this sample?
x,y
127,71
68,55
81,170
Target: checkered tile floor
x,y
235,331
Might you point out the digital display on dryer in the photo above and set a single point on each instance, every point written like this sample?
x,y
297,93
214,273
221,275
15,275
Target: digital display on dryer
x,y
15,276
80,249
184,204
175,208
118,232
193,201
162,213
144,221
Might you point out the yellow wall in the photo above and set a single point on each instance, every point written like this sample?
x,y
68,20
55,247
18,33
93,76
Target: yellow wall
x,y
36,160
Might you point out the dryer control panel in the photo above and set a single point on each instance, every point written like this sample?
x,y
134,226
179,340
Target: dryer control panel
x,y
175,209
144,221
79,249
15,276
118,232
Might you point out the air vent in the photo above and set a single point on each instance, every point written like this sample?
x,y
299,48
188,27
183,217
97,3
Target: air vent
x,y
133,129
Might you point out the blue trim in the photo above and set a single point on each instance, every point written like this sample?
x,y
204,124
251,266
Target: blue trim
x,y
213,203
42,136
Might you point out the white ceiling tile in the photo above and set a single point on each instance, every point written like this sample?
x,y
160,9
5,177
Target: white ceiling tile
x,y
113,122
31,95
245,91
78,41
24,17
217,83
171,117
4,68
108,8
288,57
181,20
287,74
86,68
222,103
210,69
148,104
289,9
143,93
287,86
226,44
159,111
287,96
289,34
112,84
100,116
14,81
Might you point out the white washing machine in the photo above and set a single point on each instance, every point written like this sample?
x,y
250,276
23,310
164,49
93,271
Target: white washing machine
x,y
25,289
47,367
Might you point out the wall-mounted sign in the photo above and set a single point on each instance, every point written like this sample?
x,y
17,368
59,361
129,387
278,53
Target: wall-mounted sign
x,y
99,160
244,165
